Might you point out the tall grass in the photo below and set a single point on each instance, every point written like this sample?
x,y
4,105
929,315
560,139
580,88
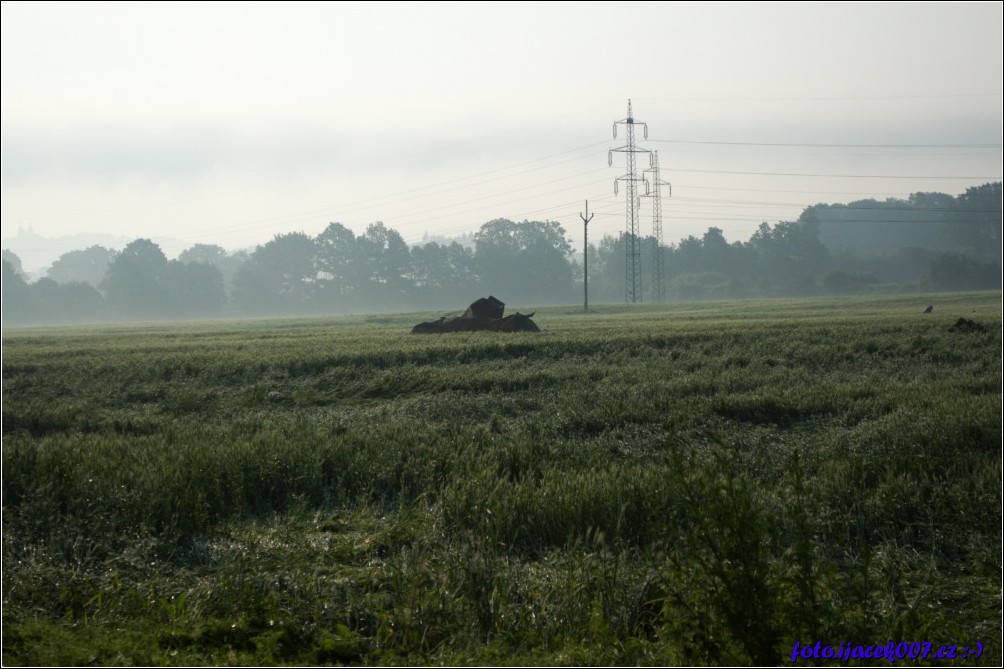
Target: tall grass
x,y
698,483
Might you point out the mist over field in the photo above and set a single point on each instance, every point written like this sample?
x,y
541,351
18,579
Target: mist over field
x,y
930,241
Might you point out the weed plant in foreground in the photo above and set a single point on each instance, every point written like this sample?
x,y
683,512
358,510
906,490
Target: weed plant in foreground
x,y
687,484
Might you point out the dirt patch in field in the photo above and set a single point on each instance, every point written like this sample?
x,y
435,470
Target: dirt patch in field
x,y
966,325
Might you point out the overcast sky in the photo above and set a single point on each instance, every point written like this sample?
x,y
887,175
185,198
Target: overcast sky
x,y
230,123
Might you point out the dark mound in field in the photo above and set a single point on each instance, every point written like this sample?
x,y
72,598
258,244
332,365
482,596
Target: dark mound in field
x,y
966,325
490,308
483,315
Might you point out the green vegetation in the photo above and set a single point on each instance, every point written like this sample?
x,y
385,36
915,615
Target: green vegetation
x,y
696,484
928,243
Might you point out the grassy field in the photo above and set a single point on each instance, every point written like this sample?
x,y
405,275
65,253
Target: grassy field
x,y
687,484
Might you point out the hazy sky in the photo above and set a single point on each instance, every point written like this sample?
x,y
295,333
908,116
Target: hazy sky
x,y
230,123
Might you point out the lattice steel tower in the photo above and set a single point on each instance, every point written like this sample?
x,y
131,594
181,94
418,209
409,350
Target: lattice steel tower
x,y
632,240
653,190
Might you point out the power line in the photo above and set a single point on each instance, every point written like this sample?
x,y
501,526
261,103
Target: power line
x,y
933,96
852,206
871,194
453,185
577,187
833,146
837,176
358,205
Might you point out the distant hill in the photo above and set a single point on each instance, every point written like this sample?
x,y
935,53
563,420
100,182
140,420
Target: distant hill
x,y
969,223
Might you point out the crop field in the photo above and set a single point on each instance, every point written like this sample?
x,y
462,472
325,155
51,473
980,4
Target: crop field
x,y
705,483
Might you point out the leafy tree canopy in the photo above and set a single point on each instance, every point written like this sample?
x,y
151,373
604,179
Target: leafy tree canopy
x,y
86,266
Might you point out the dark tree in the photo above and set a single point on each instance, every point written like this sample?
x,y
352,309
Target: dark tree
x,y
45,301
217,256
74,302
85,266
209,254
976,222
959,271
16,303
442,275
791,256
15,262
607,270
528,261
340,270
385,264
137,284
279,277
198,289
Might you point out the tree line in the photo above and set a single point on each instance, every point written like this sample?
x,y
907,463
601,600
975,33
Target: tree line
x,y
928,242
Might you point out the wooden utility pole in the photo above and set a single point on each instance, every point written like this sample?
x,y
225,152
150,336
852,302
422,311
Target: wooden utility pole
x,y
585,255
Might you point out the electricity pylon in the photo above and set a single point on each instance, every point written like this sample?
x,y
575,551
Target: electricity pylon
x,y
632,241
653,190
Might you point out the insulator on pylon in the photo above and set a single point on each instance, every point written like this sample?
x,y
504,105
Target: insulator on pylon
x,y
610,158
651,160
647,189
615,131
615,186
646,130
